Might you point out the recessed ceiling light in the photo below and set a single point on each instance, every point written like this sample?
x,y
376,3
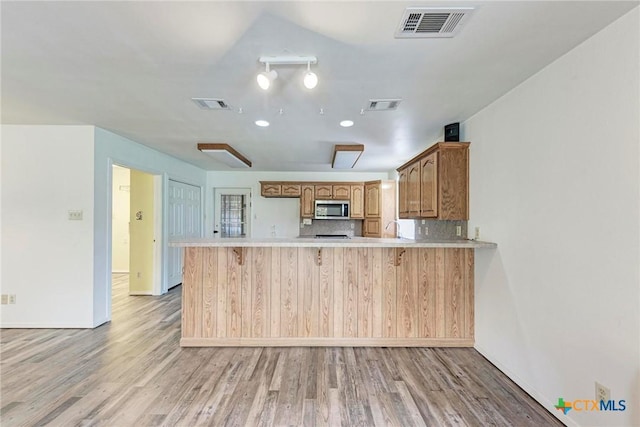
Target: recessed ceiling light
x,y
346,123
262,123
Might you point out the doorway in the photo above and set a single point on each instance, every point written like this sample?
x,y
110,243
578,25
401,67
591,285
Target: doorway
x,y
232,212
136,227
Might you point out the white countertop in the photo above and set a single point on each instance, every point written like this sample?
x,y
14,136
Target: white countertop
x,y
304,242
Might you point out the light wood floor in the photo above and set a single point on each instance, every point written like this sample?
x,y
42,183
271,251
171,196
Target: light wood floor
x,y
132,372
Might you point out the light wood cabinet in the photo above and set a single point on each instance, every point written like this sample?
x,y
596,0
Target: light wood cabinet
x,y
403,209
429,186
437,183
413,189
324,192
291,190
341,192
357,202
271,190
307,199
380,209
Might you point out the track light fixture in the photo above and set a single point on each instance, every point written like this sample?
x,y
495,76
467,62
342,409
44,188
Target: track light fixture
x,y
265,78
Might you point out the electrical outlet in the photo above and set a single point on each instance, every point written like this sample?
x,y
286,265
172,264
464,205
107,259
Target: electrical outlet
x,y
426,231
75,215
477,233
424,221
12,299
458,230
602,392
353,225
419,231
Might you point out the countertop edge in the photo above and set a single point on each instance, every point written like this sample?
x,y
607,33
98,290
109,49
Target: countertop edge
x,y
331,243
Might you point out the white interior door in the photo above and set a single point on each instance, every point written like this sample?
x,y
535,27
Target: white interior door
x,y
232,212
184,222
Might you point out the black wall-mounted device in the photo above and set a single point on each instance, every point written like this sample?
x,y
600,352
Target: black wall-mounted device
x,y
452,132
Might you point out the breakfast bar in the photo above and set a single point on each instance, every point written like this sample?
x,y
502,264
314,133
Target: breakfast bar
x,y
329,292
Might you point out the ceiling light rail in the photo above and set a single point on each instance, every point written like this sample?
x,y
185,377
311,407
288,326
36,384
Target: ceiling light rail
x,y
266,78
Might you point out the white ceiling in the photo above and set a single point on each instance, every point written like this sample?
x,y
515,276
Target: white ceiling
x,y
133,67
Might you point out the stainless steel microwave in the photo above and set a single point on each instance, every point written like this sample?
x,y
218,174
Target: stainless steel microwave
x,y
332,209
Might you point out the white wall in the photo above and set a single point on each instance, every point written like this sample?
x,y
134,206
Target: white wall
x,y
120,220
283,213
47,259
555,182
111,148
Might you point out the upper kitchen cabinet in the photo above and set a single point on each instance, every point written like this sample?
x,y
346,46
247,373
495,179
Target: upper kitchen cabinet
x,y
279,189
357,201
435,183
341,192
324,191
307,198
379,209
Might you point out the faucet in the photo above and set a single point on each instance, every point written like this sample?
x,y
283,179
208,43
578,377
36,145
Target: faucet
x,y
398,235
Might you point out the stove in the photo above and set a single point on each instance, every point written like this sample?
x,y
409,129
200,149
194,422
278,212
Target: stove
x,y
332,236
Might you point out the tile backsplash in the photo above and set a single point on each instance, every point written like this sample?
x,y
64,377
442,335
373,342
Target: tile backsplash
x,y
439,229
332,226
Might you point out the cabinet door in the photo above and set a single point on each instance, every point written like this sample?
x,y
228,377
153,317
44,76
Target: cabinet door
x,y
357,201
271,190
307,206
429,186
291,190
341,192
413,190
402,194
372,227
372,202
324,192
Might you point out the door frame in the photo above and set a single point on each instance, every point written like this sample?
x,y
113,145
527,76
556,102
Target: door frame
x,y
238,190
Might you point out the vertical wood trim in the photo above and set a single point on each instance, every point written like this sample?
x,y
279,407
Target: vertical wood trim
x,y
246,292
377,318
209,292
389,305
234,295
364,285
407,294
350,292
276,279
454,270
308,291
338,292
222,286
427,293
289,292
261,280
326,293
469,294
192,286
440,277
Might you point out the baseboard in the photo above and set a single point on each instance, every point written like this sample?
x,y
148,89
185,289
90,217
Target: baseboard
x,y
326,341
140,293
44,326
528,388
119,272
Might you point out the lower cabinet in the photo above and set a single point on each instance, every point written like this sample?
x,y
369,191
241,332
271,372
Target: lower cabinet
x,y
372,227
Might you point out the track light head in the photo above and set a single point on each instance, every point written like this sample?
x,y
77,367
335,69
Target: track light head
x,y
310,78
265,78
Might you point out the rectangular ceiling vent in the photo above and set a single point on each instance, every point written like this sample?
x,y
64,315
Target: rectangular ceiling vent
x,y
211,103
432,22
383,104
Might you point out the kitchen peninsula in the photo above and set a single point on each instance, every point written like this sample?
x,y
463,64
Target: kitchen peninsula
x,y
329,292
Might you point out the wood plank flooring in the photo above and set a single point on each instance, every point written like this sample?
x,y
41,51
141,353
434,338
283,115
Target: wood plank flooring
x,y
132,372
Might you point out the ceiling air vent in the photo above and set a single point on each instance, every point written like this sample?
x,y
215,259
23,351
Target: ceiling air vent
x,y
211,103
432,22
383,104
